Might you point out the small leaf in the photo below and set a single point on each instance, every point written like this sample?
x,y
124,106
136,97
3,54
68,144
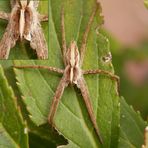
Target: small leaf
x,y
12,127
132,127
38,86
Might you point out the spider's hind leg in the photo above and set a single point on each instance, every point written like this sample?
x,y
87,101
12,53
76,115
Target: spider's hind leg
x,y
56,99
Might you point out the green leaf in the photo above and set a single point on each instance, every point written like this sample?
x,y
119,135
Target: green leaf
x,y
12,127
44,132
132,127
38,86
22,50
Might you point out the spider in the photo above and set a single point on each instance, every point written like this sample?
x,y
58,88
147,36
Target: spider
x,y
24,23
73,74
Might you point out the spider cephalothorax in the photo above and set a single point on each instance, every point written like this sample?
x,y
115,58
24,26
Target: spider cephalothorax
x,y
72,68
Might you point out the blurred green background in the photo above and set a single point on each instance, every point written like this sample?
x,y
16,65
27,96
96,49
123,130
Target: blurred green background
x,y
131,64
128,35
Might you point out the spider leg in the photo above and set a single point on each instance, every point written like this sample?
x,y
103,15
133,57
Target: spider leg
x,y
38,40
81,84
104,72
10,36
85,35
36,3
13,2
57,96
41,67
64,48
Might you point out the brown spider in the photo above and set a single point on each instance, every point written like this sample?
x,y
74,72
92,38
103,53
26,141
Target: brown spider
x,y
24,23
73,74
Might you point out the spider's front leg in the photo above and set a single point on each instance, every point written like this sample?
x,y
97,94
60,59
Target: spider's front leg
x,y
86,33
64,47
